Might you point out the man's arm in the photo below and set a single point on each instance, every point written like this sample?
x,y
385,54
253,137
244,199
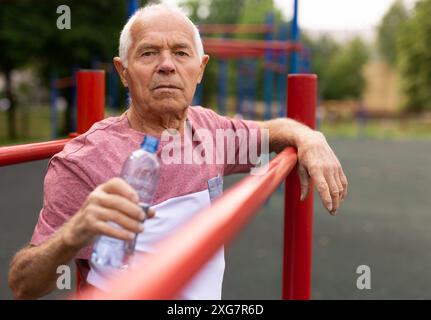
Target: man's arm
x,y
33,270
315,157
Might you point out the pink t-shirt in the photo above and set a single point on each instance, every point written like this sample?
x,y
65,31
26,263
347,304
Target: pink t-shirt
x,y
98,155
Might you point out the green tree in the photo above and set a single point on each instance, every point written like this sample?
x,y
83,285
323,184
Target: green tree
x,y
344,75
20,44
29,36
388,30
323,49
414,57
93,39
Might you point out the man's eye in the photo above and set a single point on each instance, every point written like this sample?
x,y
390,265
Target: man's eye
x,y
147,53
181,53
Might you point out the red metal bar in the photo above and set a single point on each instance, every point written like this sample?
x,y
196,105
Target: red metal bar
x,y
91,105
298,223
234,28
262,45
30,152
180,256
233,53
90,98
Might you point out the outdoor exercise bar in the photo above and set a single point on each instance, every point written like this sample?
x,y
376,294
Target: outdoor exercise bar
x,y
177,258
91,106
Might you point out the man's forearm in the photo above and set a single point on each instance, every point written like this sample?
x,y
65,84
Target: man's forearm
x,y
284,132
33,270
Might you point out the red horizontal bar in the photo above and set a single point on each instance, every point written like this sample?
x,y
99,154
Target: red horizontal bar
x,y
233,53
29,152
234,28
180,256
262,45
63,83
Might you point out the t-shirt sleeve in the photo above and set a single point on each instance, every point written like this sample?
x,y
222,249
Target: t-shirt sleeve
x,y
65,189
244,153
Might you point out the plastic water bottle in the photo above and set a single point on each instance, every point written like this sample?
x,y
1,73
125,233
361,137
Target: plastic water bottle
x,y
141,171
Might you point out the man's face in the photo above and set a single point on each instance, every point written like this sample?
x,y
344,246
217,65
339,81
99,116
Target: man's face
x,y
163,64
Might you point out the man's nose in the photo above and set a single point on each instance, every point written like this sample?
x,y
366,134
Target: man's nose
x,y
166,64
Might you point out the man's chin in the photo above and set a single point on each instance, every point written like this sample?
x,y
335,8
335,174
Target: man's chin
x,y
171,106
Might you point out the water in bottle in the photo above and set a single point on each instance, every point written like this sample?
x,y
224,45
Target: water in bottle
x,y
141,171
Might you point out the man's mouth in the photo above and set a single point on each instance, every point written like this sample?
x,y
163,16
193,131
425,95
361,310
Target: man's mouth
x,y
166,86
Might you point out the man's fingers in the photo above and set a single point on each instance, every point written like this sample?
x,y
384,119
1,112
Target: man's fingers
x,y
339,186
121,219
118,203
104,228
334,192
323,189
344,182
120,187
304,180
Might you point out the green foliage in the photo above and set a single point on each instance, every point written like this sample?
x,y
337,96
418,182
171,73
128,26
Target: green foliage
x,y
388,30
344,76
414,57
323,49
29,34
29,37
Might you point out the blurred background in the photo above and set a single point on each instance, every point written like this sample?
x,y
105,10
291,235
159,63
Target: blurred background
x,y
373,61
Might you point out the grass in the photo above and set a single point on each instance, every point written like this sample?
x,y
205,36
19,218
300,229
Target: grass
x,y
381,129
33,125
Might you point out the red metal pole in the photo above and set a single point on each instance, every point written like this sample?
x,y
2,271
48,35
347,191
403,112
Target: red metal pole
x,y
30,152
90,98
298,215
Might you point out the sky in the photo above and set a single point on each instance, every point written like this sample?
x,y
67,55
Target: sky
x,y
341,17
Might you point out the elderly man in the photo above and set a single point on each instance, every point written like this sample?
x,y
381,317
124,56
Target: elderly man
x,y
161,62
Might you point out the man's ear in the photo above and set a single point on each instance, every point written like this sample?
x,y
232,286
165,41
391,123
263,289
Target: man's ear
x,y
121,70
204,63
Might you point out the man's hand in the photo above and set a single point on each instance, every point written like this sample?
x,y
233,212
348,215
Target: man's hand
x,y
114,201
33,270
317,160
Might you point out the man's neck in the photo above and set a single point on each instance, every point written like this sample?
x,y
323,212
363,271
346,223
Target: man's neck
x,y
155,124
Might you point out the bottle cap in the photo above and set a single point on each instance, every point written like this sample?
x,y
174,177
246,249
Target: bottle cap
x,y
150,144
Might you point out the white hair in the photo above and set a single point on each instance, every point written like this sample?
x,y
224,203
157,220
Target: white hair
x,y
126,37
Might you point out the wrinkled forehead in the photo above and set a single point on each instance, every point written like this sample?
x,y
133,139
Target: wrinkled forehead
x,y
162,25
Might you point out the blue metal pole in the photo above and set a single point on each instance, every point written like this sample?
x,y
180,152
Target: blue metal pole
x,y
253,89
53,106
268,75
197,99
282,76
240,87
294,67
222,85
132,6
